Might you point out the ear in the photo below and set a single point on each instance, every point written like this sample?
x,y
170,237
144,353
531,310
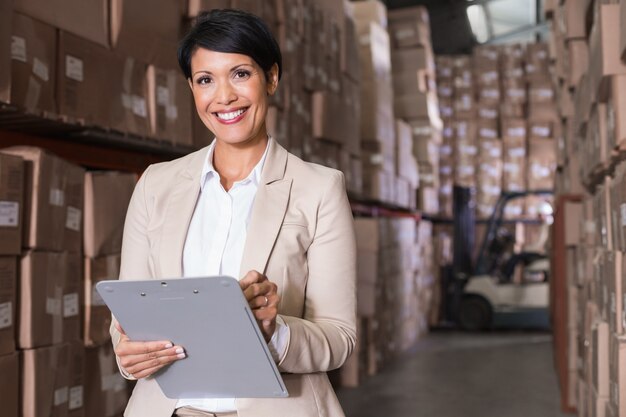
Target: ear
x,y
190,82
272,80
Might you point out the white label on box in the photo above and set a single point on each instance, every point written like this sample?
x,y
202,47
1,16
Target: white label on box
x,y
96,299
57,197
127,101
377,159
541,131
40,69
613,302
73,219
139,106
76,397
9,213
18,48
446,150
163,96
517,152
60,396
6,315
171,112
53,306
515,93
488,113
74,68
445,170
517,132
488,133
70,305
405,33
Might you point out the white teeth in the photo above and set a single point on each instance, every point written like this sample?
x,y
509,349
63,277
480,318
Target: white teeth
x,y
231,115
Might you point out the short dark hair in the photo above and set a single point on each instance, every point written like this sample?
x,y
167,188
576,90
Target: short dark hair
x,y
231,31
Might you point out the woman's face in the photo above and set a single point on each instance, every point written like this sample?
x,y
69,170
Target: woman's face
x,y
231,94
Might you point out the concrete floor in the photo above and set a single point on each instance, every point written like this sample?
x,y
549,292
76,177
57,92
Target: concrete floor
x,y
450,374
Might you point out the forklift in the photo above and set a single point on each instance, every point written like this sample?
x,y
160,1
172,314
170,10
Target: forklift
x,y
486,296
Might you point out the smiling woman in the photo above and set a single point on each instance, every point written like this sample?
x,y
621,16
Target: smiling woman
x,y
228,209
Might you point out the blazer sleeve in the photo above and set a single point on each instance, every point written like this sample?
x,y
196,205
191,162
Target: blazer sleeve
x,y
135,248
325,336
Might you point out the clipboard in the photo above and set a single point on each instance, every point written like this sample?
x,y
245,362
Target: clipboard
x,y
227,356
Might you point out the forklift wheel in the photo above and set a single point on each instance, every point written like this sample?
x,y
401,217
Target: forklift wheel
x,y
474,313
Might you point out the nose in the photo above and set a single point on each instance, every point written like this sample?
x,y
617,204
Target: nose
x,y
225,93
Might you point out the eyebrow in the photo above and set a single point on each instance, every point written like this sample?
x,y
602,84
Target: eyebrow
x,y
236,67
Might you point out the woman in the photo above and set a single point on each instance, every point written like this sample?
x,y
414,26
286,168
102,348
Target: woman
x,y
245,207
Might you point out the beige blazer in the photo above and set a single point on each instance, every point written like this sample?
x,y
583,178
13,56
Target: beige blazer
x,y
301,235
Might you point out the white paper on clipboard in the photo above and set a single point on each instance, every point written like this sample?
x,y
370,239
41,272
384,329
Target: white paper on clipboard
x,y
227,356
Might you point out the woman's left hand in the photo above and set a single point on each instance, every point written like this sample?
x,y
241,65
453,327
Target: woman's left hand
x,y
263,299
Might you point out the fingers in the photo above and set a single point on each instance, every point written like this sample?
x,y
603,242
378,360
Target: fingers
x,y
127,347
137,364
261,289
250,278
264,300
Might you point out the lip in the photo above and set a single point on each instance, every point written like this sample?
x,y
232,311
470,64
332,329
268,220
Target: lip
x,y
232,121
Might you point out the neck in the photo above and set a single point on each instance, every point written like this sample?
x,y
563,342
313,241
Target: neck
x,y
234,162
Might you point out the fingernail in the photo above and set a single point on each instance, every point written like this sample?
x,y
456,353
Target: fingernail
x,y
169,345
181,356
180,350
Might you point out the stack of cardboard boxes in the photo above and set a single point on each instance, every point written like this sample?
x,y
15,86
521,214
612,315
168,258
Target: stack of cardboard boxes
x,y
42,224
500,110
63,54
395,288
397,88
588,46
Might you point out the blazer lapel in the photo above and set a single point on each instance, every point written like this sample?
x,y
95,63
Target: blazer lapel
x,y
180,208
268,211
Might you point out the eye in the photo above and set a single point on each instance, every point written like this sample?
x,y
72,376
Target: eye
x,y
204,80
242,74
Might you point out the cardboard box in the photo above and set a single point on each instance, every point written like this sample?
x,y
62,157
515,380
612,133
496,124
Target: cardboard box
x,y
541,164
409,26
514,168
428,200
195,7
86,19
578,61
6,27
44,300
617,361
418,105
107,195
326,107
8,304
33,65
412,59
378,185
45,381
139,34
616,112
600,358
76,380
105,388
53,201
11,204
604,48
406,165
370,11
9,387
97,317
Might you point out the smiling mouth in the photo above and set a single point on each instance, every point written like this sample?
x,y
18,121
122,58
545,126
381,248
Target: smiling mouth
x,y
231,116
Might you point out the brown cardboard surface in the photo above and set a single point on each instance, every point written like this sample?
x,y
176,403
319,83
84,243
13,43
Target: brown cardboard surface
x,y
33,64
41,299
616,112
541,164
574,19
578,61
76,382
617,361
411,59
9,387
600,358
107,195
514,169
88,19
194,7
97,317
72,298
52,201
6,19
604,48
83,72
139,34
45,379
8,304
105,388
409,26
370,11
11,204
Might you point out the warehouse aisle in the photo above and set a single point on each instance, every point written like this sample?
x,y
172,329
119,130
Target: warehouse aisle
x,y
457,374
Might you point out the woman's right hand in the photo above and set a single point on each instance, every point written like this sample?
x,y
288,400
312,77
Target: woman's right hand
x,y
142,359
